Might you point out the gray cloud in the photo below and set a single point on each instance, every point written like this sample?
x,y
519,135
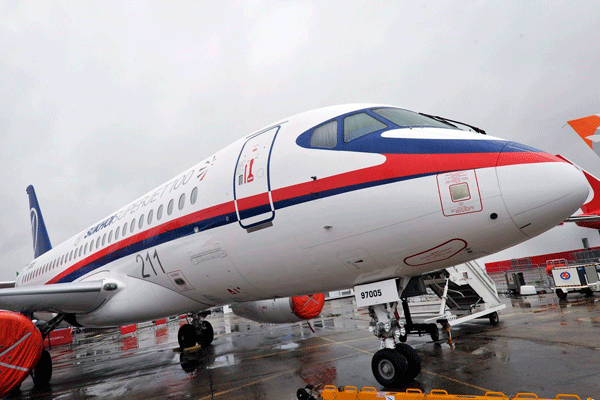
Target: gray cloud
x,y
100,102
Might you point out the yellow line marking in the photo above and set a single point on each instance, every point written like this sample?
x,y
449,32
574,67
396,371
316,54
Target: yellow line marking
x,y
290,371
330,342
347,345
424,370
456,380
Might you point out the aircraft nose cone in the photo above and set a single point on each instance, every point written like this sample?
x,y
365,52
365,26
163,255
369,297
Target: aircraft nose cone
x,y
539,190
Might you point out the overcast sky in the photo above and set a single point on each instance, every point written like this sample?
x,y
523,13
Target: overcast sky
x,y
103,101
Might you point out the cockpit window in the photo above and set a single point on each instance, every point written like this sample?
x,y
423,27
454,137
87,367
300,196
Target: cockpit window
x,y
360,124
325,136
409,119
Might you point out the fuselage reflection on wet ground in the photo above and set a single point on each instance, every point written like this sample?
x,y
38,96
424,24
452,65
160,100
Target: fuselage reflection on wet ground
x,y
542,345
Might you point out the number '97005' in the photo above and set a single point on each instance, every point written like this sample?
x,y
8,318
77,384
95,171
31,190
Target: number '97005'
x,y
370,294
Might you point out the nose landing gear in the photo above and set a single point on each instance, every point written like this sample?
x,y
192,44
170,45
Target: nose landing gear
x,y
198,331
396,364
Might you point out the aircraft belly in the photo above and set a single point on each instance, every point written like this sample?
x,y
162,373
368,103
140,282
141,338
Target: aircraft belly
x,y
142,301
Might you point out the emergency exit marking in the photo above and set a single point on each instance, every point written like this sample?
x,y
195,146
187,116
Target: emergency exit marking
x,y
459,193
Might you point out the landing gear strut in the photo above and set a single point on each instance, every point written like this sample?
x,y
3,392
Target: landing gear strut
x,y
198,331
42,372
395,364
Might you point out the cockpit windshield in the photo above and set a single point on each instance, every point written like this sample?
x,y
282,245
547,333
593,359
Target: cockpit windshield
x,y
409,119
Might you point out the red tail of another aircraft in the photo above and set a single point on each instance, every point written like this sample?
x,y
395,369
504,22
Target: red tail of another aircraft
x,y
591,209
587,129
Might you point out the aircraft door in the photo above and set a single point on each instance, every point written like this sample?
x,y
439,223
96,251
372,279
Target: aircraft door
x,y
251,184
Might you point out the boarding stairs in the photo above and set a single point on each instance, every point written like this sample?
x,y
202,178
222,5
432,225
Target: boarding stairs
x,y
464,292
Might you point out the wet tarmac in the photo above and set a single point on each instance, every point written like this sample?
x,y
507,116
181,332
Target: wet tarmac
x,y
542,345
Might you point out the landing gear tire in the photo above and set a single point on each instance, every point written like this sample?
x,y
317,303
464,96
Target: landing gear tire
x,y
561,294
412,358
186,336
390,368
494,318
42,372
205,334
434,332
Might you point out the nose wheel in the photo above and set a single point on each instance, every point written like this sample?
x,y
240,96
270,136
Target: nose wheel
x,y
396,364
390,368
198,331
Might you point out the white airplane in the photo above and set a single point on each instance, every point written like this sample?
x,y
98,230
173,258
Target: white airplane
x,y
361,195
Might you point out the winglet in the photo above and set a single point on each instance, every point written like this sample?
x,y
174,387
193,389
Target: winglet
x,y
593,206
41,241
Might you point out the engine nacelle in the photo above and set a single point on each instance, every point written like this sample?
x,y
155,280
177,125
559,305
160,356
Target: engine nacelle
x,y
279,311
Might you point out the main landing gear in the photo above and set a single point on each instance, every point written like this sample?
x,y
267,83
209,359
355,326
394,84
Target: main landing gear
x,y
198,331
42,372
395,364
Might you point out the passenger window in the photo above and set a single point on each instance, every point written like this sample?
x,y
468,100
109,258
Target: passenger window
x,y
71,256
141,223
325,136
170,207
360,124
194,195
98,242
85,248
159,213
125,229
103,239
117,232
181,201
110,237
150,216
132,226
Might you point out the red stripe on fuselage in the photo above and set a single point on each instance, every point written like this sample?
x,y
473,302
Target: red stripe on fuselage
x,y
404,165
253,201
395,166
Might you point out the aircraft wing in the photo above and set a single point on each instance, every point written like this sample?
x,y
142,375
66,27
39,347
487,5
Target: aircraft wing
x,y
7,284
71,298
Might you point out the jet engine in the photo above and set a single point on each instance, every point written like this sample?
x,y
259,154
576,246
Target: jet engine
x,y
283,310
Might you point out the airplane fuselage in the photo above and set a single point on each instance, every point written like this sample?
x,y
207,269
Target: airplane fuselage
x,y
287,211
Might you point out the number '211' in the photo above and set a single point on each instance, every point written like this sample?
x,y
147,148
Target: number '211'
x,y
139,258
